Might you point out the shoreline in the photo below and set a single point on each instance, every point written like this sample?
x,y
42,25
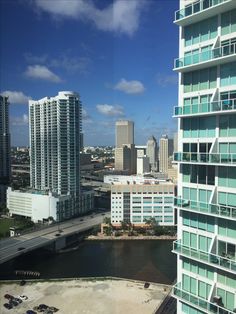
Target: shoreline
x,y
126,237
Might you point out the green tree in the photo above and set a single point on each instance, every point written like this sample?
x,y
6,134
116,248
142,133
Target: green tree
x,y
124,225
107,220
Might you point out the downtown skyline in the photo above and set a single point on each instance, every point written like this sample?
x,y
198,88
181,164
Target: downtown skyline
x,y
115,54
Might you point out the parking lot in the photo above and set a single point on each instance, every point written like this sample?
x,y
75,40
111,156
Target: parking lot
x,y
86,296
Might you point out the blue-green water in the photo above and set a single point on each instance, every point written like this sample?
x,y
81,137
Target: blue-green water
x,y
141,260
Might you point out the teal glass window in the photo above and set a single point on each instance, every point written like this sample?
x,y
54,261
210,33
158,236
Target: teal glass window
x,y
200,80
228,22
228,74
201,31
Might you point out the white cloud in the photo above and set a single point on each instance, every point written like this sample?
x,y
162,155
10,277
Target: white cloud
x,y
130,87
42,72
111,111
165,80
16,97
86,117
66,61
20,121
119,16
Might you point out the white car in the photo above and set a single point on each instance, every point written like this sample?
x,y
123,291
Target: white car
x,y
23,297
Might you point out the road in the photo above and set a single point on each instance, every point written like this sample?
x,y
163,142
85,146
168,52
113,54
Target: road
x,y
15,246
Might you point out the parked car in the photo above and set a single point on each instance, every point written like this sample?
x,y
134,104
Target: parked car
x,y
30,312
8,296
13,302
17,300
53,309
7,306
42,307
23,297
20,248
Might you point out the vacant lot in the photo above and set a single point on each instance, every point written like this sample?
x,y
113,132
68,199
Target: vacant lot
x,y
87,296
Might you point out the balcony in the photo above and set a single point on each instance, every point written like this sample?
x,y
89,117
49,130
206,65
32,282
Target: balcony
x,y
201,9
198,302
201,256
207,58
222,211
215,107
203,158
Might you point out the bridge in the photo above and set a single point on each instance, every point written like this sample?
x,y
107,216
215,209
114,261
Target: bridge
x,y
55,236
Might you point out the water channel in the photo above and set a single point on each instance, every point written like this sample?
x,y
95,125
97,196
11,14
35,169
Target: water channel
x,y
148,260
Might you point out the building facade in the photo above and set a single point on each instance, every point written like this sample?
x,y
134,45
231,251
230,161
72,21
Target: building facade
x,y
5,157
143,165
125,152
40,205
135,199
164,154
124,133
55,126
206,202
152,152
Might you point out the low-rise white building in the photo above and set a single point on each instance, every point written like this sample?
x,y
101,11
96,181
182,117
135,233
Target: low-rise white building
x,y
134,200
40,205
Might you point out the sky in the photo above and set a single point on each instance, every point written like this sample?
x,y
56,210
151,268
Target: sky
x,y
117,54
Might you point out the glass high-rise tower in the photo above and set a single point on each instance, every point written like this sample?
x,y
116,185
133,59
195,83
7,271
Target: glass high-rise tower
x,y
206,202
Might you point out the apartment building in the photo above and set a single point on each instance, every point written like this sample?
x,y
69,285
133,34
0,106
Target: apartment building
x,y
206,202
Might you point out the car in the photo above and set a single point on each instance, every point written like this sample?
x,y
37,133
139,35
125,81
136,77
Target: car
x,y
53,309
81,219
57,234
7,306
146,285
17,300
8,296
30,312
103,214
23,297
22,282
13,302
20,248
43,307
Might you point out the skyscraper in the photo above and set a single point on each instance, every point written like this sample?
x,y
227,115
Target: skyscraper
x,y
206,202
55,126
5,167
163,154
124,133
125,153
152,152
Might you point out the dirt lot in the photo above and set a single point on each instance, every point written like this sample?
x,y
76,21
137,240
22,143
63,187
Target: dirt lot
x,y
108,296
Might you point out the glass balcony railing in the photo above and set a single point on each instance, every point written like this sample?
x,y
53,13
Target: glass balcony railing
x,y
196,7
204,56
206,158
213,259
206,208
215,106
196,301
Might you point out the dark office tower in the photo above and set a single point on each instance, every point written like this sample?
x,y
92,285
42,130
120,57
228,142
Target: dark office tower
x,y
5,168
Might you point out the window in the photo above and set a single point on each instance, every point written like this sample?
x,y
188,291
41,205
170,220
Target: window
x,y
200,80
201,31
200,174
199,127
228,22
228,74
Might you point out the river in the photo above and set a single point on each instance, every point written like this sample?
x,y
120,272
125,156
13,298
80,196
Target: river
x,y
147,260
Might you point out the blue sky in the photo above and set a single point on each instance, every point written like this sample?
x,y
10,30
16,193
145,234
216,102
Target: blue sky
x,y
117,54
